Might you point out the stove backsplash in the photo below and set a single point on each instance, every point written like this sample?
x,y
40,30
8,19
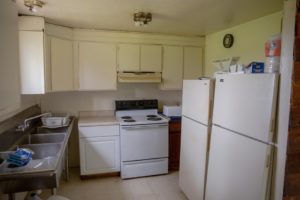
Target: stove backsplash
x,y
144,104
72,102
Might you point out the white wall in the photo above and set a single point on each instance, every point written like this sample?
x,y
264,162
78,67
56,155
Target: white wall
x,y
72,102
249,40
26,101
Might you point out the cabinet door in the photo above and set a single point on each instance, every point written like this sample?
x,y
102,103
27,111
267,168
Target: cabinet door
x,y
174,144
61,64
99,155
151,58
97,66
192,63
129,57
31,49
172,73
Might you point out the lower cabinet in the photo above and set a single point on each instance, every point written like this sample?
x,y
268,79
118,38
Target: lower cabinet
x,y
174,144
99,154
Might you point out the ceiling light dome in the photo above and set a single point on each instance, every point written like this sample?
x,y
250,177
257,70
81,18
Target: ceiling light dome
x,y
142,18
33,4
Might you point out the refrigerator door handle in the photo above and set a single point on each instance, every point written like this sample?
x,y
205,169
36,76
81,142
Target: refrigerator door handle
x,y
272,130
268,161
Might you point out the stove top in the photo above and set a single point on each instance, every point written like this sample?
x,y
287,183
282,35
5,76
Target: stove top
x,y
138,112
154,118
129,120
142,119
126,117
151,116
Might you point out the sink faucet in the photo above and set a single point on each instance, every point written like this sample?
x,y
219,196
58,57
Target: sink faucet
x,y
22,127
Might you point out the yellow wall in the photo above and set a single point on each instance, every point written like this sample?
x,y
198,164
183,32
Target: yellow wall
x,y
249,40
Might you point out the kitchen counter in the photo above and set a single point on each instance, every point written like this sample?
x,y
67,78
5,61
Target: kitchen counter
x,y
97,118
97,121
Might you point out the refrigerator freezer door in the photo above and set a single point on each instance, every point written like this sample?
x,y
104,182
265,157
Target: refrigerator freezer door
x,y
196,99
237,168
246,104
193,153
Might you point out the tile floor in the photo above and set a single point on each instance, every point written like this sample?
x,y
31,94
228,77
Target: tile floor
x,y
163,187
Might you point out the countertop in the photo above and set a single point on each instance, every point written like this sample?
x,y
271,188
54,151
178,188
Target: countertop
x,y
97,121
171,119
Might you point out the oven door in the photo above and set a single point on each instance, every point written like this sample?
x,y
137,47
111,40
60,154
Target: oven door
x,y
142,142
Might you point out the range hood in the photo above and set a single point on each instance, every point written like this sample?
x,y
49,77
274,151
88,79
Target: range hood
x,y
139,77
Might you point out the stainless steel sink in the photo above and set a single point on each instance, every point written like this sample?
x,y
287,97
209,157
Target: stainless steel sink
x,y
50,147
43,138
43,150
42,130
46,163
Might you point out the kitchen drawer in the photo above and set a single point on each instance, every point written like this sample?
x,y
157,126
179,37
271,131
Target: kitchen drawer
x,y
175,126
96,131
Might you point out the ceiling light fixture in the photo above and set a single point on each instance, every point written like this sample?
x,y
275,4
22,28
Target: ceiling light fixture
x,y
141,18
33,4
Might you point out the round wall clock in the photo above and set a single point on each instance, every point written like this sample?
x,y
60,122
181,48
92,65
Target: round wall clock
x,y
228,40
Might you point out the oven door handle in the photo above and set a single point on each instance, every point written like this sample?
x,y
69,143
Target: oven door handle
x,y
144,126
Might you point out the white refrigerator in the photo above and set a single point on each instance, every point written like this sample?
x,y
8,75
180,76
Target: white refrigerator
x,y
196,125
240,157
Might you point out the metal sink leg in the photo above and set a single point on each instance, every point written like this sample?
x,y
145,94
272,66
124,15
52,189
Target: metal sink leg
x,y
53,191
67,174
12,196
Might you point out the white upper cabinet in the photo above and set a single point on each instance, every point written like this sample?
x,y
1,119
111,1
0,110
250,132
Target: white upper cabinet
x,y
97,66
61,64
9,61
55,58
46,61
193,63
172,73
129,57
136,57
151,58
32,65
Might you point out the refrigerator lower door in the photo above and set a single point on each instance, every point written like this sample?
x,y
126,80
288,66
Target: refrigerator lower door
x,y
193,153
238,167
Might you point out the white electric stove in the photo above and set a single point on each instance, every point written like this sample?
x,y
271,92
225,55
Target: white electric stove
x,y
144,138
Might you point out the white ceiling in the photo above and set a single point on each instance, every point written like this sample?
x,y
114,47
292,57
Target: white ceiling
x,y
180,17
